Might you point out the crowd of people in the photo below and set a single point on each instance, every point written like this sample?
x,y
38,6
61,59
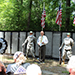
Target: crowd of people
x,y
20,65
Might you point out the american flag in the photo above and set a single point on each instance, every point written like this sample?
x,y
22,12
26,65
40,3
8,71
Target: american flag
x,y
43,18
74,20
59,16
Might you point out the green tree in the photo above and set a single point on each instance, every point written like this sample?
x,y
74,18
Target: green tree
x,y
25,15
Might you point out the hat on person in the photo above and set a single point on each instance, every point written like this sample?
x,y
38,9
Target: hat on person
x,y
19,57
68,33
31,31
17,54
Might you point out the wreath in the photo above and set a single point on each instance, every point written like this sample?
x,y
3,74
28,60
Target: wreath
x,y
3,45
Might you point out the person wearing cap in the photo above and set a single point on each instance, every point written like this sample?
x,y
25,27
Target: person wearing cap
x,y
67,47
30,40
19,60
42,41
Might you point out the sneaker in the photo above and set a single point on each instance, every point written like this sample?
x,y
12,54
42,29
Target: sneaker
x,y
42,62
26,57
63,63
37,58
33,59
39,62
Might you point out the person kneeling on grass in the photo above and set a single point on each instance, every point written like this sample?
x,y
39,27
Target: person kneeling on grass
x,y
19,60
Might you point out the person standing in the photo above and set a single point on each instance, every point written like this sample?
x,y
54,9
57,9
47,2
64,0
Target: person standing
x,y
30,44
42,41
67,47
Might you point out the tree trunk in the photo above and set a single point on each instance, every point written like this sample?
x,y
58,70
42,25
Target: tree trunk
x,y
21,2
67,24
29,17
19,12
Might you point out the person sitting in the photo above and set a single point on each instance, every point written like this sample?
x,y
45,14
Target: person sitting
x,y
19,60
2,69
33,69
71,65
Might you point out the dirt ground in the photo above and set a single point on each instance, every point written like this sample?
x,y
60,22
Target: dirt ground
x,y
50,67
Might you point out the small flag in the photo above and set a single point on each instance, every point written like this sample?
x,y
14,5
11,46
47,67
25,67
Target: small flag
x,y
59,16
74,20
43,17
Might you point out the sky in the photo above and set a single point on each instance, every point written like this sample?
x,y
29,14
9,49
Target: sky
x,y
73,0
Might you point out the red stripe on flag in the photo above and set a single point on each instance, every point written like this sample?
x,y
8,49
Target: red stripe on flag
x,y
74,21
43,18
59,17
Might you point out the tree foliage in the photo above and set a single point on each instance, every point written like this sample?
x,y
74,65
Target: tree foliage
x,y
25,15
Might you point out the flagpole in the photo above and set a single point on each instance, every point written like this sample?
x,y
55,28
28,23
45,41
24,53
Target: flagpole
x,y
59,28
59,21
43,9
42,28
43,5
43,17
59,17
60,38
61,6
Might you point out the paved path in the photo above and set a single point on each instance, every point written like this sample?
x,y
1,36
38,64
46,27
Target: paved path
x,y
45,72
48,73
